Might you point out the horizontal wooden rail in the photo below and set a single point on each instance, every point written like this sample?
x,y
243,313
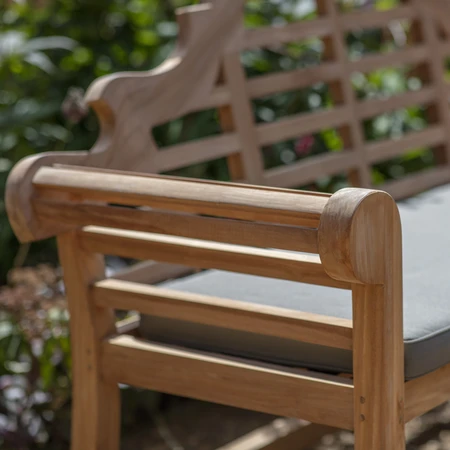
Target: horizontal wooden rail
x,y
411,55
309,169
321,27
200,150
208,255
272,35
358,20
219,199
385,149
229,231
237,315
263,85
417,182
320,399
427,392
369,108
298,125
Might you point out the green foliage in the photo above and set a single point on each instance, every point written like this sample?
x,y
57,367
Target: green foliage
x,y
44,52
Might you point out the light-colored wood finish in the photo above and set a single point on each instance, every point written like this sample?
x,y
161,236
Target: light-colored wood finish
x,y
342,92
19,189
209,255
96,402
96,202
354,220
242,116
281,434
237,315
207,149
210,228
383,150
427,392
236,202
270,389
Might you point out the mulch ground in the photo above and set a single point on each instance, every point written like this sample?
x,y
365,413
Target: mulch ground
x,y
193,425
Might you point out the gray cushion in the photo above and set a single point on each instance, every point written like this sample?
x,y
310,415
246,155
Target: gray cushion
x,y
426,245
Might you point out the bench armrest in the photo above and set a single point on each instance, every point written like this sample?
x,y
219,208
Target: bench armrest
x,y
208,224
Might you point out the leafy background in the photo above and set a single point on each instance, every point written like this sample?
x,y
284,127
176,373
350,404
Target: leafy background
x,y
50,51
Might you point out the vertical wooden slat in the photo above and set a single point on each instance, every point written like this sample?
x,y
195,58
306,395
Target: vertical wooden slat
x,y
248,165
434,73
96,403
342,92
378,353
235,162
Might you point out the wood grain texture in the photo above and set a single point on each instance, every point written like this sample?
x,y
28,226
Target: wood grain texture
x,y
298,125
171,90
201,150
234,201
427,392
322,399
436,73
96,402
237,315
242,115
178,224
19,190
307,171
207,255
369,220
342,92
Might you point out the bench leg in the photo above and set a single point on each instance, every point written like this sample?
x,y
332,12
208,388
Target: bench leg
x,y
95,403
378,370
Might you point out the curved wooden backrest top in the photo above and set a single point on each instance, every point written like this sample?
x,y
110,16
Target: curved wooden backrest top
x,y
206,72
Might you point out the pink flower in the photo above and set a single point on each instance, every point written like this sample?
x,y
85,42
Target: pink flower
x,y
304,145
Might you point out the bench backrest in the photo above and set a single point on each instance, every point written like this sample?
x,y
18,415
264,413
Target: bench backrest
x,y
206,73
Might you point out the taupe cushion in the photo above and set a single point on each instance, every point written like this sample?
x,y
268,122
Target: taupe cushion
x,y
426,242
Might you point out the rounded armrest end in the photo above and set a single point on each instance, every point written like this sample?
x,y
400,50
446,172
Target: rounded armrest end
x,y
19,194
353,235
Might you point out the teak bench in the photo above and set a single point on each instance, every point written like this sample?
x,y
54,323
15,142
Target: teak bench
x,y
303,316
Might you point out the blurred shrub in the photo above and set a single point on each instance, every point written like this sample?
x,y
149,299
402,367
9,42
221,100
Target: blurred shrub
x,y
35,360
35,365
44,52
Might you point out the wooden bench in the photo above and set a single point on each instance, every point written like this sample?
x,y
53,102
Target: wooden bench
x,y
324,252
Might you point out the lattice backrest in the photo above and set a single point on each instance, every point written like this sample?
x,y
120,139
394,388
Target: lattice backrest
x,y
334,130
